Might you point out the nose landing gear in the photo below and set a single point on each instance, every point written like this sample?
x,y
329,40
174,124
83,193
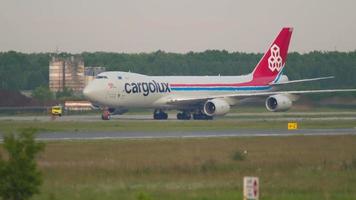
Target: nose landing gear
x,y
105,115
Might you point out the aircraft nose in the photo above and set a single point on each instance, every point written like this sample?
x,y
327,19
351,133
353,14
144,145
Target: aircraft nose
x,y
88,92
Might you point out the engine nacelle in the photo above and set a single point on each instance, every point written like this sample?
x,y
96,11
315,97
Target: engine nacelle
x,y
278,102
117,111
216,107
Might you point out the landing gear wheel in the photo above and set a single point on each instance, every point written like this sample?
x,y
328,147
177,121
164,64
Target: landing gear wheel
x,y
201,116
105,115
160,115
184,116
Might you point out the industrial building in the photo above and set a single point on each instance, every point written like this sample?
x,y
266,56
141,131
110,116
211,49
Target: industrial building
x,y
66,73
70,73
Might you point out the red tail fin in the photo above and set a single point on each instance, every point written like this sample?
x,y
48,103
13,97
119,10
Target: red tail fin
x,y
275,58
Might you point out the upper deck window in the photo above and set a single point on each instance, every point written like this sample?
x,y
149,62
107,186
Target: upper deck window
x,y
101,77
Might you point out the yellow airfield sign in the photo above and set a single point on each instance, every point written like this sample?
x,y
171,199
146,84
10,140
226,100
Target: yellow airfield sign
x,y
292,126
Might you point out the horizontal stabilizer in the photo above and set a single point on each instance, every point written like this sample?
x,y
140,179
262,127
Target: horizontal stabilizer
x,y
302,80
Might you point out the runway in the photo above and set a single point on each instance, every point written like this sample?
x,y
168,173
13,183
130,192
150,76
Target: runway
x,y
289,116
248,117
58,136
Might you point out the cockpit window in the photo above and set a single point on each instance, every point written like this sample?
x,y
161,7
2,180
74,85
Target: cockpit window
x,y
101,77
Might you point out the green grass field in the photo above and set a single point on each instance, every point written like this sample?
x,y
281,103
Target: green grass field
x,y
290,168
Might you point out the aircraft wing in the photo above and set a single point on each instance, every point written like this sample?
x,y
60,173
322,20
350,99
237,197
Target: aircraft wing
x,y
188,100
301,80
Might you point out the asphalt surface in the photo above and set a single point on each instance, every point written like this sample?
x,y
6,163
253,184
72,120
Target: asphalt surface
x,y
55,136
290,116
95,135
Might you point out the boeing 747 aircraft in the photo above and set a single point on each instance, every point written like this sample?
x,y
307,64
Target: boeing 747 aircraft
x,y
200,97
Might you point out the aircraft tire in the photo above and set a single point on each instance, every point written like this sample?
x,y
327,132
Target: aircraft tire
x,y
201,116
160,115
184,116
105,117
164,115
187,115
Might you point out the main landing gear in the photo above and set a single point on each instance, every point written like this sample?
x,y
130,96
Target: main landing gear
x,y
160,115
186,115
201,116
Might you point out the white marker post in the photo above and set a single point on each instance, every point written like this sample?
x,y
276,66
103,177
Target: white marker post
x,y
251,188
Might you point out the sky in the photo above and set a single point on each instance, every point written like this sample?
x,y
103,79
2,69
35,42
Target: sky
x,y
134,26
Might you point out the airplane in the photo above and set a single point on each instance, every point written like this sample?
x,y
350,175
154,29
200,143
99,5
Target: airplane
x,y
200,97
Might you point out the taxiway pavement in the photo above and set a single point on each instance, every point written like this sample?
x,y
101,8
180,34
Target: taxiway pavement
x,y
95,135
290,116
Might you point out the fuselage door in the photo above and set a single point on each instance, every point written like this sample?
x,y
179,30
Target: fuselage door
x,y
112,91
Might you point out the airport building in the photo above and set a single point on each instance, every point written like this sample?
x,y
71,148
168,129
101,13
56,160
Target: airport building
x,y
66,73
70,73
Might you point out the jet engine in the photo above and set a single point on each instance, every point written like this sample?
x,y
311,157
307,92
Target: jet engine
x,y
216,107
278,102
117,111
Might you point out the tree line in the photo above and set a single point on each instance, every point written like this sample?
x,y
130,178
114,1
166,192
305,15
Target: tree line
x,y
21,71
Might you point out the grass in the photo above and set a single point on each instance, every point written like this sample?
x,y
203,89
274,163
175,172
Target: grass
x,y
290,168
298,167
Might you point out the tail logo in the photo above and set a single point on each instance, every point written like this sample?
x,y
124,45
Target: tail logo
x,y
275,59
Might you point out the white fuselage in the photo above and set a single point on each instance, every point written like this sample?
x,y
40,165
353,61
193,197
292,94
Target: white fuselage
x,y
201,97
131,90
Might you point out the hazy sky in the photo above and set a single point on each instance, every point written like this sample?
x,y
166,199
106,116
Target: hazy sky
x,y
174,26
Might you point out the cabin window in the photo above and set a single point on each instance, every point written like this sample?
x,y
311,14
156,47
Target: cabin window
x,y
101,77
119,77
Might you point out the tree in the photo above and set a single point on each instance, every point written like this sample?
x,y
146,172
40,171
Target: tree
x,y
21,71
19,176
42,93
65,94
